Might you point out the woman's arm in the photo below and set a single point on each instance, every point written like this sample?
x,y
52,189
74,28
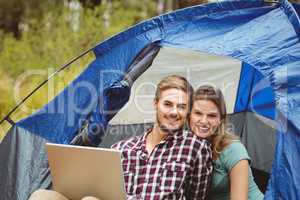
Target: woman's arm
x,y
239,181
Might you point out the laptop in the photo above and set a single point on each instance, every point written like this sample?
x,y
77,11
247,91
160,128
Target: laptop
x,y
86,171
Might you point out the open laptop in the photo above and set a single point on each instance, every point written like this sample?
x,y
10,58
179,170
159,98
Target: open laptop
x,y
86,171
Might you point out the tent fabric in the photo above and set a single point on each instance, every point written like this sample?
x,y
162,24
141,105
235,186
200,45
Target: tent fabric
x,y
93,95
265,37
297,8
256,133
23,166
255,93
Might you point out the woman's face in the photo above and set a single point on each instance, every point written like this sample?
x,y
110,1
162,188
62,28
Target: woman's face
x,y
205,118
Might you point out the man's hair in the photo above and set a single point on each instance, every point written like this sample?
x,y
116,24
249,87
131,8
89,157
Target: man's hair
x,y
174,82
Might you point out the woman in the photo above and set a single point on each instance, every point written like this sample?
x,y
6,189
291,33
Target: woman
x,y
232,177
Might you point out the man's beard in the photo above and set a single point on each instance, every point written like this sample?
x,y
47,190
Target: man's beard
x,y
166,129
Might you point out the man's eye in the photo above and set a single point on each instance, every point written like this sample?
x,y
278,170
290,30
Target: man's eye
x,y
181,106
167,103
212,116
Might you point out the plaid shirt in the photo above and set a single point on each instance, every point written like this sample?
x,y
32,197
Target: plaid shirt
x,y
179,167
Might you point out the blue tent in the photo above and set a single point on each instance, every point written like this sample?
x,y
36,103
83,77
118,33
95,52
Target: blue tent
x,y
263,37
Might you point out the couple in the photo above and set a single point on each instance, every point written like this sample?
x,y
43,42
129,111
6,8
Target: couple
x,y
169,163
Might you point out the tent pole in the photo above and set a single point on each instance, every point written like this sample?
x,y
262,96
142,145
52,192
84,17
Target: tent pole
x,y
9,120
7,117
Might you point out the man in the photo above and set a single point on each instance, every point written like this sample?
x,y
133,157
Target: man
x,y
167,162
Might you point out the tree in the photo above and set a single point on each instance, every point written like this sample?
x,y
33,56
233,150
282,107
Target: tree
x,y
90,3
11,13
168,5
15,14
187,3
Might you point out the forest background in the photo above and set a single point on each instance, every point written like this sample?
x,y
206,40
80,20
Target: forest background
x,y
37,37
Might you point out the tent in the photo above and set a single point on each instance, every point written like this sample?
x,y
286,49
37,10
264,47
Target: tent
x,y
260,72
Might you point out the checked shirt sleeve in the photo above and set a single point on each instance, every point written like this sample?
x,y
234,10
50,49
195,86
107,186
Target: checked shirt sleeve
x,y
201,174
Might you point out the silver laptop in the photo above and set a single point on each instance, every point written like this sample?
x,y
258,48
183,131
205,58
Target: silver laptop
x,y
86,171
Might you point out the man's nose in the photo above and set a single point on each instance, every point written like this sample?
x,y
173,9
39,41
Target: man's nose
x,y
174,112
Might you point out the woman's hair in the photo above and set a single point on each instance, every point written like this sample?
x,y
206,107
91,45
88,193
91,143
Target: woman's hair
x,y
221,138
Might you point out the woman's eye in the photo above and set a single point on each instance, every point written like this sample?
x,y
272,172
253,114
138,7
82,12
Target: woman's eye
x,y
198,113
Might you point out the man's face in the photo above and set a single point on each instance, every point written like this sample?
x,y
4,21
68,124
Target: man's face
x,y
171,110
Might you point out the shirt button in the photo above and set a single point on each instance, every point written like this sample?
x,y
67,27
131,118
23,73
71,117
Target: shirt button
x,y
143,156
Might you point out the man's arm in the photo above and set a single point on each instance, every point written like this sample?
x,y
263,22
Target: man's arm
x,y
201,174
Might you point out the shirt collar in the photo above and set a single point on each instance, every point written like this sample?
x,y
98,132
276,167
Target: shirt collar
x,y
142,141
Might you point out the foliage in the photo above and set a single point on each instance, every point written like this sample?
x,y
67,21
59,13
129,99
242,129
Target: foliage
x,y
51,41
15,13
